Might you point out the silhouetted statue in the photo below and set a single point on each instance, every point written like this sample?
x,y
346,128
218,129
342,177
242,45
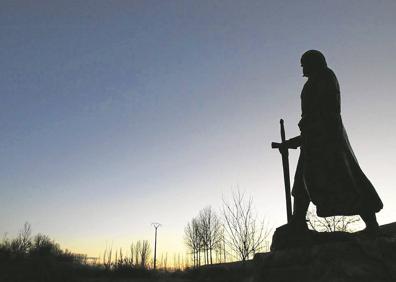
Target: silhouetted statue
x,y
328,173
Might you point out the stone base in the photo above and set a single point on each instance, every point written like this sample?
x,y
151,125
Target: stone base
x,y
341,258
287,236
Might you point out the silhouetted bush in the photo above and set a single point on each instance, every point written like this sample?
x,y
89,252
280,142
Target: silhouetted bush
x,y
38,258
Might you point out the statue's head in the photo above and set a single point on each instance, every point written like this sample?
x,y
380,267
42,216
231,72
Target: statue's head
x,y
312,62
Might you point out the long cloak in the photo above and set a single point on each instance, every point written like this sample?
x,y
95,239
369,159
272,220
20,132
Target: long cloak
x,y
328,171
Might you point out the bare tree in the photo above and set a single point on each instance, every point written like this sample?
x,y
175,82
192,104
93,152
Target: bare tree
x,y
137,249
22,244
43,245
132,251
332,223
107,257
193,240
144,253
245,235
210,232
164,261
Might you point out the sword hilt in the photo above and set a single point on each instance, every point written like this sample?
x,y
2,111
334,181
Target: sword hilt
x,y
276,145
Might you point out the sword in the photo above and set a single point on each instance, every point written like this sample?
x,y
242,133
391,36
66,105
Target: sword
x,y
285,162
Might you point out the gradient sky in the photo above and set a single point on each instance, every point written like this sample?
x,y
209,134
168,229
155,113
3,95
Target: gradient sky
x,y
116,114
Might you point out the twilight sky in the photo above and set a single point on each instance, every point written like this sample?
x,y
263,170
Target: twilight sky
x,y
116,114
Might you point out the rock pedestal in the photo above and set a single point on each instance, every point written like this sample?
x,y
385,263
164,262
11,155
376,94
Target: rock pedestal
x,y
287,237
353,258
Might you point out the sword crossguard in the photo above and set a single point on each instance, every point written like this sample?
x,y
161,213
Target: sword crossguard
x,y
275,145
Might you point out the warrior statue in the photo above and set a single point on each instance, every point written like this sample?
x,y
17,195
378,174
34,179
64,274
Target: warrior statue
x,y
328,173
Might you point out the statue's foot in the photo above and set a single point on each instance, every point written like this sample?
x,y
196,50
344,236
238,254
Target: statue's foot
x,y
370,232
291,235
298,223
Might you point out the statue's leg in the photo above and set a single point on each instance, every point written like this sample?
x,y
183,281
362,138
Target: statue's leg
x,y
301,204
301,197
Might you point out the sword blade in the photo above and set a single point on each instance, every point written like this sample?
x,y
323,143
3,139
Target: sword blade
x,y
286,174
286,177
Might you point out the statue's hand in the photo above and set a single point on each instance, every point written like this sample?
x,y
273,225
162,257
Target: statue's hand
x,y
292,143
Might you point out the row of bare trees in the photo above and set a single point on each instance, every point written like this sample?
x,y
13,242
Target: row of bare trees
x,y
204,236
237,232
139,256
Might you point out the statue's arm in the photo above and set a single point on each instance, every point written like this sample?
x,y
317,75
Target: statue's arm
x,y
294,142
